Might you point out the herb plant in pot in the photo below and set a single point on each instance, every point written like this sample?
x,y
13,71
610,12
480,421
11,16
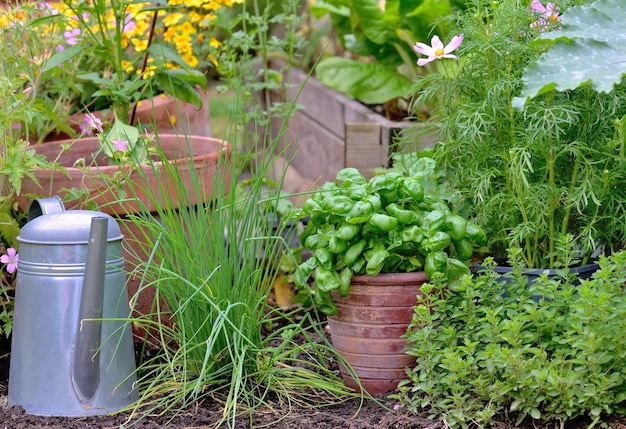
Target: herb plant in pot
x,y
374,243
540,174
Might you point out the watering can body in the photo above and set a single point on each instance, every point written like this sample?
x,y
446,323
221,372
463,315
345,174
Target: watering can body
x,y
72,352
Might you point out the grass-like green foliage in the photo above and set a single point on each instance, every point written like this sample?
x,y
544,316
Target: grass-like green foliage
x,y
533,175
207,273
213,266
553,351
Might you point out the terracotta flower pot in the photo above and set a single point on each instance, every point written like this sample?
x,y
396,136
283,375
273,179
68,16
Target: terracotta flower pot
x,y
169,116
203,159
204,151
367,330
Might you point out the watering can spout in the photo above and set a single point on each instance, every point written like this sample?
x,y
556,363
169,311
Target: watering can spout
x,y
86,362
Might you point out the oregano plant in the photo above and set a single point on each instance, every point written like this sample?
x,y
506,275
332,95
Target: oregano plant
x,y
484,349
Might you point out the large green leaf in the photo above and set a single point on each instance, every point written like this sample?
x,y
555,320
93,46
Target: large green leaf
x,y
370,83
373,21
61,56
591,47
174,85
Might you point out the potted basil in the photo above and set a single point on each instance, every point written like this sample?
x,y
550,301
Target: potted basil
x,y
374,243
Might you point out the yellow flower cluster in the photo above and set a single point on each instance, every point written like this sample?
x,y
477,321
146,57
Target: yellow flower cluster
x,y
184,26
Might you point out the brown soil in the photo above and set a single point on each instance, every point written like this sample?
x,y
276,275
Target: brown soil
x,y
353,414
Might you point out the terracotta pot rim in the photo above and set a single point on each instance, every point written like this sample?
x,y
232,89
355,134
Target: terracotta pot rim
x,y
392,278
225,147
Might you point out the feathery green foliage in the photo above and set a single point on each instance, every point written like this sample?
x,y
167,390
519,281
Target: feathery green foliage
x,y
530,176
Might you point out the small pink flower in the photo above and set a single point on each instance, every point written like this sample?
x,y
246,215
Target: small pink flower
x,y
397,407
89,124
129,24
121,145
547,15
10,259
71,37
48,8
437,50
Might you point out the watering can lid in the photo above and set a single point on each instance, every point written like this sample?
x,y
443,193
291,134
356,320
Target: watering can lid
x,y
66,227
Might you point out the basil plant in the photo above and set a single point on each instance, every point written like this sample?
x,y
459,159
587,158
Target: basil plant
x,y
398,221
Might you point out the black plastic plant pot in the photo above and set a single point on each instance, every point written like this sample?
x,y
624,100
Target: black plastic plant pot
x,y
582,272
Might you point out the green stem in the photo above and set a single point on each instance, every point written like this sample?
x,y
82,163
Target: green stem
x,y
572,185
529,254
552,208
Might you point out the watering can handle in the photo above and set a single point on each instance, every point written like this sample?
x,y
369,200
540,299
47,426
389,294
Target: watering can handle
x,y
42,206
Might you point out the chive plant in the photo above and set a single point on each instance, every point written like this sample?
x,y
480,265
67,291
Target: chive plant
x,y
224,342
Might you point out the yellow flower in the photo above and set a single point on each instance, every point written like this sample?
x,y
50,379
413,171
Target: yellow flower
x,y
140,45
214,43
191,60
150,71
172,119
127,66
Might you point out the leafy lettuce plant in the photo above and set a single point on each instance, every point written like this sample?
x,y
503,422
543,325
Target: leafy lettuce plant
x,y
481,352
383,35
401,220
536,171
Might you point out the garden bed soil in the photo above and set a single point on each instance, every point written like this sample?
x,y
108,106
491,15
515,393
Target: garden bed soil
x,y
353,414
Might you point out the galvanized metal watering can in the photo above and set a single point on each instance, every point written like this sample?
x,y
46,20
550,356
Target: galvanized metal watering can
x,y
72,352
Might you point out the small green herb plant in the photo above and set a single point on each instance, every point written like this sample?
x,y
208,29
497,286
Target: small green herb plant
x,y
481,352
401,220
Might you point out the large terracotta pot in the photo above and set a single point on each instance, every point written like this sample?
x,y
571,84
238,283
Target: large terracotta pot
x,y
198,158
367,330
163,114
194,156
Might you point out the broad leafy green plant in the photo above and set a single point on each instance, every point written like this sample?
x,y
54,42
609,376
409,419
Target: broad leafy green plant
x,y
482,352
401,220
368,31
590,47
530,175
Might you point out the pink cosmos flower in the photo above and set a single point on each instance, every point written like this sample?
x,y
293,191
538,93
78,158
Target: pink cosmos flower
x,y
10,259
89,124
121,145
545,15
437,50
